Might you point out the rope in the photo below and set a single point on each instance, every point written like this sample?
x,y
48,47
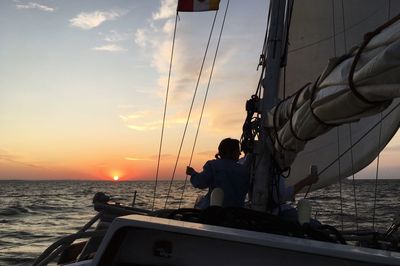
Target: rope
x,y
367,38
205,99
333,28
377,175
378,158
338,128
190,111
352,169
262,57
344,28
60,245
357,94
165,112
340,179
289,19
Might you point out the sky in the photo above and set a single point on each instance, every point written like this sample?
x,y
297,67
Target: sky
x,y
83,84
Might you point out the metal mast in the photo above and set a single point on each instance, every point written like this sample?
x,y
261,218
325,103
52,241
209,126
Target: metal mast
x,y
263,170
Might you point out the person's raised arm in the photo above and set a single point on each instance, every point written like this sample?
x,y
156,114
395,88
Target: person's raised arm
x,y
308,181
202,179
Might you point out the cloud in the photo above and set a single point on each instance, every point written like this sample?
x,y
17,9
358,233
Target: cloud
x,y
136,159
94,19
163,156
7,157
115,36
113,48
167,10
32,5
141,38
141,121
155,40
125,106
131,117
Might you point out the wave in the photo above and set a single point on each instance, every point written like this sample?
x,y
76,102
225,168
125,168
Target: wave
x,y
14,210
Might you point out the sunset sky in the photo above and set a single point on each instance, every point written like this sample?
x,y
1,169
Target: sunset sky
x,y
82,86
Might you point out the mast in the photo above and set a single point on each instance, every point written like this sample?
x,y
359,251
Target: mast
x,y
263,170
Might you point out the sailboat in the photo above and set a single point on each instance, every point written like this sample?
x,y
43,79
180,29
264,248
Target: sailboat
x,y
330,85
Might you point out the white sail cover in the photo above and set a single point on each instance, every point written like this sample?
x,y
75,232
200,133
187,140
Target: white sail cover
x,y
323,30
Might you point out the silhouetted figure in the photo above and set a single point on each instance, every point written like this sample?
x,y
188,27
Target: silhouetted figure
x,y
225,173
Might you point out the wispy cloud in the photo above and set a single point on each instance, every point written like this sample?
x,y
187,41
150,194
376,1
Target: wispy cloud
x,y
131,116
113,48
155,40
115,36
141,37
5,156
125,106
141,121
167,10
137,159
33,5
145,126
164,156
94,19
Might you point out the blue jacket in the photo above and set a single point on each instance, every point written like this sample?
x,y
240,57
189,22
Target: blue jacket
x,y
230,176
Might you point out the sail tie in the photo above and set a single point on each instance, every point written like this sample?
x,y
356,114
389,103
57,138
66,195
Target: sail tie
x,y
367,38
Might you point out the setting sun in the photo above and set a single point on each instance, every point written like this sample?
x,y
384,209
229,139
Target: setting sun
x,y
116,178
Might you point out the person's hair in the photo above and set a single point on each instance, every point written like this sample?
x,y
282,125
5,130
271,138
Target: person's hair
x,y
226,148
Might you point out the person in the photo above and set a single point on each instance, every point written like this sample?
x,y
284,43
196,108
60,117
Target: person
x,y
223,172
282,194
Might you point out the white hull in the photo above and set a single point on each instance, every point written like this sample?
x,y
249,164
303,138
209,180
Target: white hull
x,y
144,240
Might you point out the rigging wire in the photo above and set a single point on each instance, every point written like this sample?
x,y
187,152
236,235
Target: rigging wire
x,y
262,56
350,129
378,151
340,178
353,175
377,173
165,112
286,41
205,100
190,111
338,128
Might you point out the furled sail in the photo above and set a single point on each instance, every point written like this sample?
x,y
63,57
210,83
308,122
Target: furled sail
x,y
323,30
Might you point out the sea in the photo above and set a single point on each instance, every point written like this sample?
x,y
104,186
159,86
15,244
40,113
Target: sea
x,y
34,214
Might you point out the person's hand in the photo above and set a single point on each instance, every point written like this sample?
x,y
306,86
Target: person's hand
x,y
312,179
190,170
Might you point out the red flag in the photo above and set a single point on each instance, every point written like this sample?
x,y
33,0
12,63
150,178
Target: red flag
x,y
197,5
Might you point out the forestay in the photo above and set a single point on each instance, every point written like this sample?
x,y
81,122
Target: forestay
x,y
323,30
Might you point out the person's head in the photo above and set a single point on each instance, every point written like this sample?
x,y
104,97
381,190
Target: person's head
x,y
228,149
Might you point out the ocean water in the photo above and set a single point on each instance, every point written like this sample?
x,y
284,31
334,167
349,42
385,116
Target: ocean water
x,y
34,214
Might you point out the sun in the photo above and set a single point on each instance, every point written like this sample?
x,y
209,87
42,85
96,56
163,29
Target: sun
x,y
116,178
